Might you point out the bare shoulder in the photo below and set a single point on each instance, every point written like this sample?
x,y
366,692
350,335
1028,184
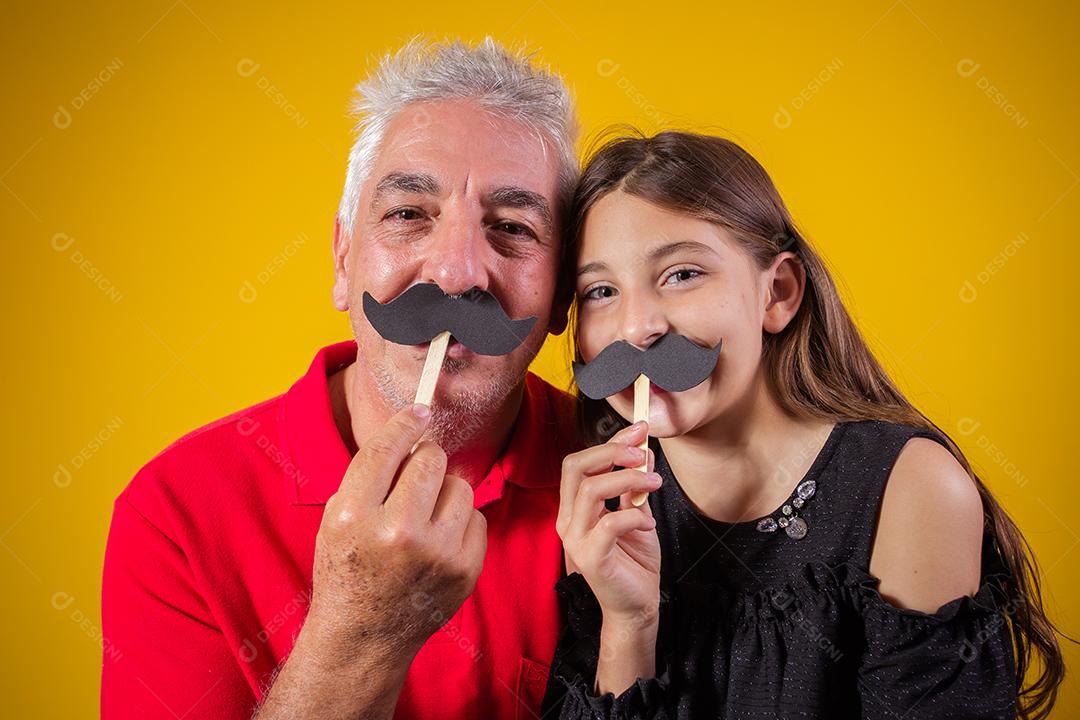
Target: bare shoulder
x,y
927,548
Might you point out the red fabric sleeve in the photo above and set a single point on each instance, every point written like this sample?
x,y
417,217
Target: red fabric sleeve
x,y
168,658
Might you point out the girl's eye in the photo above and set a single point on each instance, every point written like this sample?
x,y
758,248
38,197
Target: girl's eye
x,y
405,214
681,275
599,292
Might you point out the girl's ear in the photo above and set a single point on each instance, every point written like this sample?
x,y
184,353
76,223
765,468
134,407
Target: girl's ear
x,y
785,283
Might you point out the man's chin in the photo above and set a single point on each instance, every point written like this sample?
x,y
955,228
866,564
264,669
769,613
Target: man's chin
x,y
472,384
466,378
474,381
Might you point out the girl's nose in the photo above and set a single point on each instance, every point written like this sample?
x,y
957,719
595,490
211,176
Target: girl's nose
x,y
643,323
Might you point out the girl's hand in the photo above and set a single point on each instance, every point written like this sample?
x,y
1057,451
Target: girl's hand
x,y
617,552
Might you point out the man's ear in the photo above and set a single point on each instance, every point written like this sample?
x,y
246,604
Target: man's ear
x,y
786,284
340,247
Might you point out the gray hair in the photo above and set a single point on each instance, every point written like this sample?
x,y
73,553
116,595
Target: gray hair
x,y
505,83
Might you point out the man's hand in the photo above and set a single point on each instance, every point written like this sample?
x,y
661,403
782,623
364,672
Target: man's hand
x,y
394,560
399,549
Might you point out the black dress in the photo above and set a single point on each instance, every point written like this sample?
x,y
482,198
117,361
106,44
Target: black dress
x,y
756,622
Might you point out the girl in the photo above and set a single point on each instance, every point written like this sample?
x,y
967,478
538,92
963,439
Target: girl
x,y
812,546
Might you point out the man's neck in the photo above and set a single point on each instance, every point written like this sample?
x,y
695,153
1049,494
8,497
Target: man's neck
x,y
360,411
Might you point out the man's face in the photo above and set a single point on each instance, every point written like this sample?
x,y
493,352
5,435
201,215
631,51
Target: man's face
x,y
462,199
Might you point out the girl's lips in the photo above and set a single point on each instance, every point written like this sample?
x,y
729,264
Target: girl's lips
x,y
628,392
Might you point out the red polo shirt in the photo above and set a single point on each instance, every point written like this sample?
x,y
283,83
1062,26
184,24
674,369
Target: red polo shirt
x,y
208,566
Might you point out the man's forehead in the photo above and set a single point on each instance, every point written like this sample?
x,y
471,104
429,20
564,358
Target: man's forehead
x,y
457,120
451,141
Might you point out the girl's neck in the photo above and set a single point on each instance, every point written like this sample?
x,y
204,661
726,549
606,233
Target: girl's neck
x,y
745,463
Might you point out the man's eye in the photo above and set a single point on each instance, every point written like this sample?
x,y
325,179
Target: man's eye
x,y
405,214
511,228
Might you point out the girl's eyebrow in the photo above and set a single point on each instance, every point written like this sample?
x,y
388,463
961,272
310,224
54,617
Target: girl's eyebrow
x,y
591,267
662,251
657,253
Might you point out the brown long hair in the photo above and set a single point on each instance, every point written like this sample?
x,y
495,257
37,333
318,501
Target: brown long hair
x,y
819,366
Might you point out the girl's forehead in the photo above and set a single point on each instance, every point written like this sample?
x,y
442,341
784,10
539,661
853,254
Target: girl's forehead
x,y
623,231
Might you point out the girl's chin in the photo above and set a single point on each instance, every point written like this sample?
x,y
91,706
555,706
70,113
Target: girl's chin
x,y
665,428
669,414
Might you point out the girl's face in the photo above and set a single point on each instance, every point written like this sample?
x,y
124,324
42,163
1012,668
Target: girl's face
x,y
644,271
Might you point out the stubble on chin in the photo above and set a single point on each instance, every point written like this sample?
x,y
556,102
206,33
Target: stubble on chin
x,y
456,420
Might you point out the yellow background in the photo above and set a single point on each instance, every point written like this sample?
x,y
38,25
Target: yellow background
x,y
930,151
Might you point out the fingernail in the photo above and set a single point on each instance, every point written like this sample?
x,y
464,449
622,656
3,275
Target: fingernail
x,y
655,479
421,411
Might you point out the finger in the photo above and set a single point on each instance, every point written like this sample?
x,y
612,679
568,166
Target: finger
x,y
638,499
413,497
631,434
591,461
474,540
452,508
601,458
374,467
571,566
636,435
614,525
595,460
626,501
589,504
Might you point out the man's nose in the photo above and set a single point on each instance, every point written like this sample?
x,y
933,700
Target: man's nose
x,y
455,257
643,321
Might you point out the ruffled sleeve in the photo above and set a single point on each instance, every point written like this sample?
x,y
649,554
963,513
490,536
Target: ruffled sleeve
x,y
573,670
955,663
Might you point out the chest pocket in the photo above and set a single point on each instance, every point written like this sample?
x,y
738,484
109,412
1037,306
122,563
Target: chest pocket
x,y
531,684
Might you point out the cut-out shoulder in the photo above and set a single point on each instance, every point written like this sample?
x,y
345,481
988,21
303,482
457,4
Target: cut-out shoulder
x,y
800,622
926,549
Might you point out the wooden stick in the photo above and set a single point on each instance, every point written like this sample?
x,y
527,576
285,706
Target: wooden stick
x,y
425,391
641,412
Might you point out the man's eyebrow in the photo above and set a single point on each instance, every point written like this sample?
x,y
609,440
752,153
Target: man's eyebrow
x,y
657,253
407,182
522,199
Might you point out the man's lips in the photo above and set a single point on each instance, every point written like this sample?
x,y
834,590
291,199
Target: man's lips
x,y
454,349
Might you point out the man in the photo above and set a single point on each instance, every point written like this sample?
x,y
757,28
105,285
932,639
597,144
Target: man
x,y
294,559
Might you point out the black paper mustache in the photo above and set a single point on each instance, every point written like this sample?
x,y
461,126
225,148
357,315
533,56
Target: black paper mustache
x,y
475,319
674,362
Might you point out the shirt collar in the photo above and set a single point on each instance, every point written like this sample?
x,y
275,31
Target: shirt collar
x,y
541,437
